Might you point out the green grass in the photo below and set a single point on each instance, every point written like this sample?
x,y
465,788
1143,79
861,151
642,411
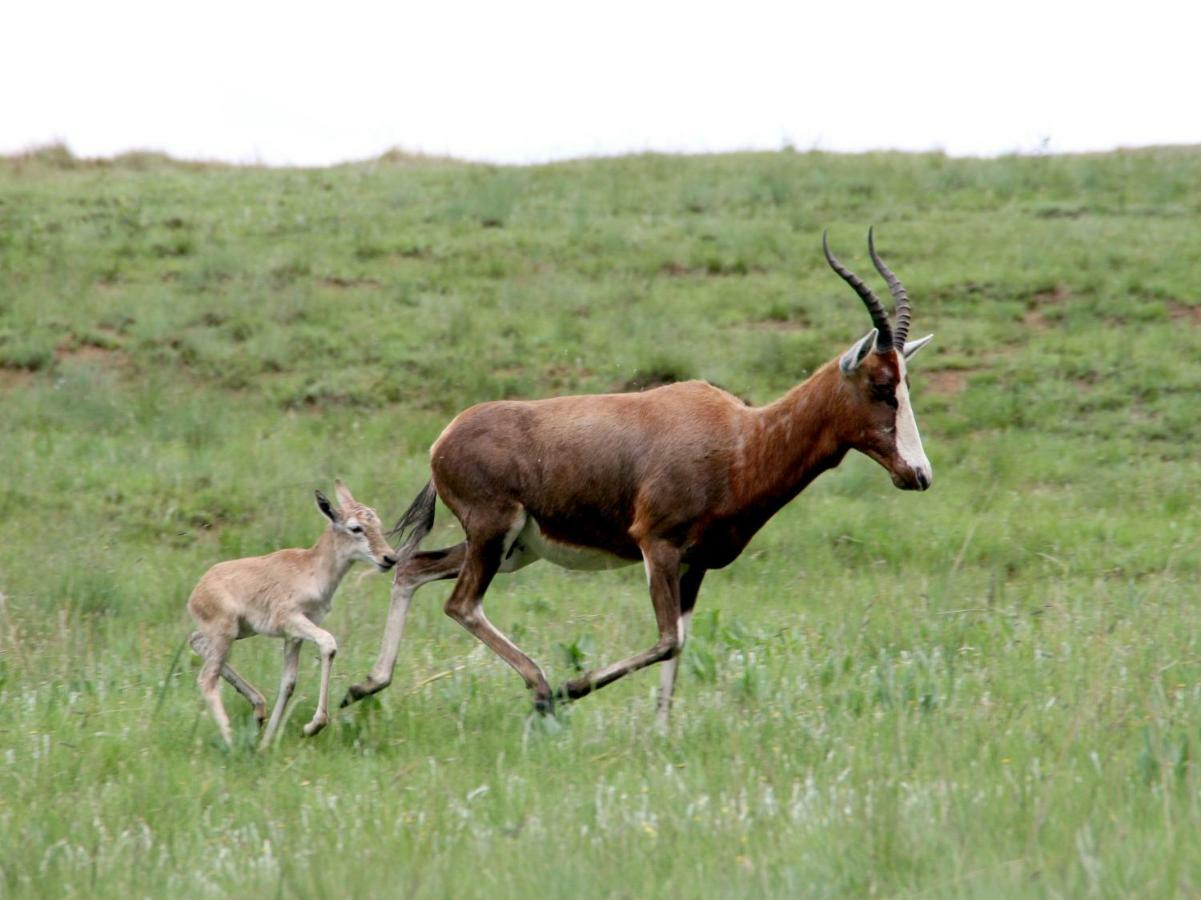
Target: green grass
x,y
990,689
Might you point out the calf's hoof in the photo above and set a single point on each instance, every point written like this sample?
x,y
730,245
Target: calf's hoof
x,y
315,726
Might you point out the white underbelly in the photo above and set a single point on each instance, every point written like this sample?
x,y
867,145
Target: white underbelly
x,y
528,544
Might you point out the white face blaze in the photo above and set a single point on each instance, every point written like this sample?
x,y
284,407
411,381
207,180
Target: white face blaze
x,y
909,442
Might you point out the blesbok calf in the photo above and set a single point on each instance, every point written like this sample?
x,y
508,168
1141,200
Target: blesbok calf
x,y
284,594
679,478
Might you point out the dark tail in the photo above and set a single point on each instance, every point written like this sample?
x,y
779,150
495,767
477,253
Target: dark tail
x,y
417,520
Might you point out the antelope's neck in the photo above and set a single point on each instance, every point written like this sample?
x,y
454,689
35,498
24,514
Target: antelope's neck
x,y
329,565
794,440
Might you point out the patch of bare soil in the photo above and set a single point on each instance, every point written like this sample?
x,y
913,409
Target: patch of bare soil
x,y
1034,316
336,281
712,269
775,325
945,382
1182,312
1035,320
1061,294
563,376
106,357
12,379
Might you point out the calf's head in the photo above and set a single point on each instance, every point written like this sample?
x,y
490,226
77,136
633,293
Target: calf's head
x,y
357,529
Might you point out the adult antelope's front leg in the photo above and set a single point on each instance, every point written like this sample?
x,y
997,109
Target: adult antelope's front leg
x,y
663,574
690,584
422,568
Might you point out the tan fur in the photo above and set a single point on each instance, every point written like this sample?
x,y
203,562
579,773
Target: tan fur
x,y
284,594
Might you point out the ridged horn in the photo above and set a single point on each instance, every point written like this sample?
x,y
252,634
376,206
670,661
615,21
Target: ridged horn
x,y
884,337
899,295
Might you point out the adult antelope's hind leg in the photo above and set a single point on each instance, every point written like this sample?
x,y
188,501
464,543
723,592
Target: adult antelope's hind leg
x,y
465,606
421,568
663,572
690,584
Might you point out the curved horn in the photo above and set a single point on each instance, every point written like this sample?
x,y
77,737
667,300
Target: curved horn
x,y
899,295
884,339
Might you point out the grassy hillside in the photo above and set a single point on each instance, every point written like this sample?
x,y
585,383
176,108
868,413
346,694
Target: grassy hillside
x,y
993,688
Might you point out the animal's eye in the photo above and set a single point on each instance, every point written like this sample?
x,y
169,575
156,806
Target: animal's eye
x,y
886,394
357,529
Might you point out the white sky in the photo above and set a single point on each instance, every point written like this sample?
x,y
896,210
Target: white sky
x,y
293,83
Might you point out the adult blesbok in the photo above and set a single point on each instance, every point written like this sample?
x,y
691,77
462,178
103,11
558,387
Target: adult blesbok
x,y
679,478
284,594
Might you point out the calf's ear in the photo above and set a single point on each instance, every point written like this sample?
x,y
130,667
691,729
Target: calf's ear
x,y
326,508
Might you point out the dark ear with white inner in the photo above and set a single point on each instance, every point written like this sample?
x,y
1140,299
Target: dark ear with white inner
x,y
911,347
327,510
859,350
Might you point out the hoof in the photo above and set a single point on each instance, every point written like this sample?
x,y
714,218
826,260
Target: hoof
x,y
544,704
357,692
572,690
354,693
314,727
